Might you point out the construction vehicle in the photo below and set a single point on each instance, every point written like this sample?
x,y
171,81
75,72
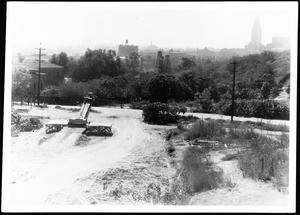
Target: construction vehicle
x,y
81,121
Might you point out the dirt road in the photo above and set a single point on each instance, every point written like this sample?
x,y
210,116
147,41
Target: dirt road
x,y
40,170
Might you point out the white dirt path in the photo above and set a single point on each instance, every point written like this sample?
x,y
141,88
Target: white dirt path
x,y
41,171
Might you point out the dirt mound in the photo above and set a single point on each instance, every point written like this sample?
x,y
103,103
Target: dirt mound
x,y
144,181
82,140
20,124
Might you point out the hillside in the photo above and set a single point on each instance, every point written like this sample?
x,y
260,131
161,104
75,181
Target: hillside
x,y
250,68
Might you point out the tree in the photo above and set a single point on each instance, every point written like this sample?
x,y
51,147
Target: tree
x,y
165,87
161,65
265,90
60,59
21,80
95,64
205,100
50,93
186,63
189,78
134,63
138,90
274,92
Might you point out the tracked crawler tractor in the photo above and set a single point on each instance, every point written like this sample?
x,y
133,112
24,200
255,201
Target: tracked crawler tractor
x,y
81,121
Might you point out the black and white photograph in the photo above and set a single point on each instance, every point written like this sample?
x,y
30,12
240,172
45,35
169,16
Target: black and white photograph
x,y
150,107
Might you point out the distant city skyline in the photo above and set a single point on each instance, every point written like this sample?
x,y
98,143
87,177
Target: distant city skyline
x,y
165,25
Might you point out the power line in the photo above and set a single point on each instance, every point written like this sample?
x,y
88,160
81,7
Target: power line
x,y
39,75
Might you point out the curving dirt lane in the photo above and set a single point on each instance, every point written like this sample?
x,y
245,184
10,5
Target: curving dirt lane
x,y
40,170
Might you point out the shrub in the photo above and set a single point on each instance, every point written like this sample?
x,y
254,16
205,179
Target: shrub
x,y
229,157
139,104
73,90
267,109
160,113
222,107
15,118
272,127
182,109
202,129
189,118
198,171
50,92
29,124
244,133
266,159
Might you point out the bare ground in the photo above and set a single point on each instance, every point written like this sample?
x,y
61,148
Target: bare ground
x,y
131,167
245,192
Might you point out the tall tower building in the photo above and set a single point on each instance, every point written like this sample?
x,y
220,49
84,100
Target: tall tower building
x,y
256,33
255,44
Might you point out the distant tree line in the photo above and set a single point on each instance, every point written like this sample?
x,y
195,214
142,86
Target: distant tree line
x,y
204,85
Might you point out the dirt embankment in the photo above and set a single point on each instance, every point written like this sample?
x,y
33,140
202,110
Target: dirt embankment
x,y
244,192
237,189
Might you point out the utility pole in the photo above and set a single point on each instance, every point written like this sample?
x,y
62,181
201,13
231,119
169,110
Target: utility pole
x,y
39,74
233,85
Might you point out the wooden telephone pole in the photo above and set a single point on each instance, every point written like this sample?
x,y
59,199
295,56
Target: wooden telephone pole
x,y
39,74
233,86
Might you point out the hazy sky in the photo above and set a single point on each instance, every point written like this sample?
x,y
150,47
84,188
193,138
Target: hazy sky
x,y
179,24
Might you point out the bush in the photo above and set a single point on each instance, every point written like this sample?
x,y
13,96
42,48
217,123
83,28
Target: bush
x,y
244,133
27,124
229,157
50,92
73,90
267,109
271,127
266,159
199,173
139,104
165,87
160,113
202,129
222,107
15,118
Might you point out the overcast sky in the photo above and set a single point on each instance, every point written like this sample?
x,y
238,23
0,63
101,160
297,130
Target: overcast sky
x,y
179,24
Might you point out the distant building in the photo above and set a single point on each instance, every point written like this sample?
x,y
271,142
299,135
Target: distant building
x,y
255,45
176,56
50,74
279,44
126,50
151,49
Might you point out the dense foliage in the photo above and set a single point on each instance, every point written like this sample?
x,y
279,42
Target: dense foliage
x,y
20,84
94,65
160,113
267,109
207,85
